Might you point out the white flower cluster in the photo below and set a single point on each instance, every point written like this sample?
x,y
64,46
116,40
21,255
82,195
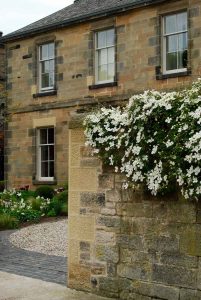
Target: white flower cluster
x,y
155,139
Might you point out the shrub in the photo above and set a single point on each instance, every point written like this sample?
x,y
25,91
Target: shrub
x,y
27,194
64,209
45,191
56,205
62,197
8,222
26,215
155,140
36,203
51,213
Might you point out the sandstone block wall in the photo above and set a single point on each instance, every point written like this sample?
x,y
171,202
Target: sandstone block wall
x,y
127,244
20,147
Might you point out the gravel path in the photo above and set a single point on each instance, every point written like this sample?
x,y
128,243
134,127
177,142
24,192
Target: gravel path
x,y
48,238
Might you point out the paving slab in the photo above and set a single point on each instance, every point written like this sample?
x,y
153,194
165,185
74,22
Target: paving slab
x,y
15,287
29,263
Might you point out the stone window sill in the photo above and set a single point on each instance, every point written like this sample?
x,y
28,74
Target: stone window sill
x,y
38,182
102,85
160,76
45,94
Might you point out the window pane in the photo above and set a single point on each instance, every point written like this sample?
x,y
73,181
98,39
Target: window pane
x,y
51,79
44,51
45,66
43,136
51,152
172,43
51,169
51,65
170,24
182,41
51,50
50,135
171,61
111,55
45,80
102,73
101,40
182,59
111,72
102,57
110,37
182,21
44,169
44,153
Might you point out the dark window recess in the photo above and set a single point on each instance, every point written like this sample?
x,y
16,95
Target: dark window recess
x,y
103,85
45,94
27,56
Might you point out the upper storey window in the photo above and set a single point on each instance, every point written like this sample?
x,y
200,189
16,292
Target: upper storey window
x,y
175,43
47,66
105,56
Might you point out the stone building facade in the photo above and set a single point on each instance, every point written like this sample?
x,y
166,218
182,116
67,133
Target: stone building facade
x,y
42,89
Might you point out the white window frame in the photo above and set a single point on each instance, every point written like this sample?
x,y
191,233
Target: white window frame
x,y
164,44
40,67
38,154
97,56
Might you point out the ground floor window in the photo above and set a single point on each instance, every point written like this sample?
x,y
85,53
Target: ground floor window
x,y
45,153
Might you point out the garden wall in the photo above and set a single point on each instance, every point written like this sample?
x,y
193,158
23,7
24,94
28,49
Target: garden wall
x,y
127,244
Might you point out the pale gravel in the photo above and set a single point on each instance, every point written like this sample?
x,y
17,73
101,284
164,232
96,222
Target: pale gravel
x,y
48,238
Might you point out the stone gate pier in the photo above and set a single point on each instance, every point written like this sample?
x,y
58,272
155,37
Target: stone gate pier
x,y
124,243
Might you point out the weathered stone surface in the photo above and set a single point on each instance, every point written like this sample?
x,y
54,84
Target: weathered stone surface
x,y
131,241
98,269
190,242
84,246
188,214
199,274
92,199
113,195
179,260
107,253
176,276
163,244
109,221
106,181
137,271
188,294
158,291
105,237
143,209
108,211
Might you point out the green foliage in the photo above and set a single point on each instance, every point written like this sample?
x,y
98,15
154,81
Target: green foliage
x,y
36,203
62,197
45,191
27,194
64,209
56,205
51,213
27,215
8,222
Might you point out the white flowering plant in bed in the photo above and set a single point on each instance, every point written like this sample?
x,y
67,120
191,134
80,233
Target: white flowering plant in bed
x,y
154,140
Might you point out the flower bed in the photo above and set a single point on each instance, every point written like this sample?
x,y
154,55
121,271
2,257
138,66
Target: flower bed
x,y
24,206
